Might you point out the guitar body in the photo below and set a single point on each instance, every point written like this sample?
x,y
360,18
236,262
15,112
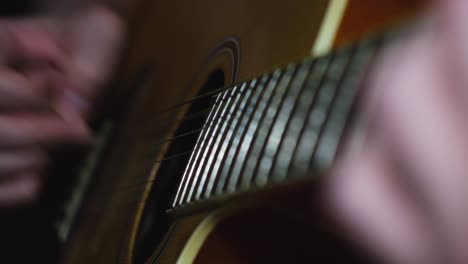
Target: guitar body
x,y
176,51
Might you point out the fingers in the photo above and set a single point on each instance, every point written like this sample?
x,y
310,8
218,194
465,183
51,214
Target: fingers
x,y
20,189
422,124
51,70
367,193
44,130
20,175
37,44
80,50
453,41
19,92
427,126
17,161
453,15
32,118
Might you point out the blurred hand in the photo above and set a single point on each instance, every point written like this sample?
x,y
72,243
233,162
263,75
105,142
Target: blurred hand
x,y
51,69
405,195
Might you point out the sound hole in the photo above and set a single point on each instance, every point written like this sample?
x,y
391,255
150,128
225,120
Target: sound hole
x,y
155,223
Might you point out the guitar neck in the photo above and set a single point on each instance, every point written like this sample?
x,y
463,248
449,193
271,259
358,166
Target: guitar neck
x,y
278,127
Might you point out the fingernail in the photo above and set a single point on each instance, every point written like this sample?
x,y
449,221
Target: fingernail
x,y
74,120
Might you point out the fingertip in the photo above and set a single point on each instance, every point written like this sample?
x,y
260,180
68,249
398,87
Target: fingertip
x,y
23,190
76,125
28,189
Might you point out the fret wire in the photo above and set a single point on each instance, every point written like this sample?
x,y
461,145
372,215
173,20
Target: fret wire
x,y
216,178
257,89
274,100
227,159
314,70
204,126
200,150
278,170
239,119
241,132
306,102
317,117
227,166
284,88
210,131
269,126
195,131
250,134
189,169
212,150
199,114
253,111
338,106
163,114
240,103
174,109
214,175
314,82
182,183
341,111
224,89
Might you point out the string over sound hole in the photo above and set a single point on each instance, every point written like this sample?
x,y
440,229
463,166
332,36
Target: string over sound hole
x,y
154,222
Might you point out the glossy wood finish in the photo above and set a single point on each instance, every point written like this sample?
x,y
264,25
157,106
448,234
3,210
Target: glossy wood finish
x,y
174,40
367,16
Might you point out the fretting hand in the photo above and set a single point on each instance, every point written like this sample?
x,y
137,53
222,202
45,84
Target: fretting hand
x,y
405,196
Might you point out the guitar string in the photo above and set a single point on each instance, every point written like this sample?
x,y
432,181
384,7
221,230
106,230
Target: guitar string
x,y
177,137
178,106
174,156
165,114
126,195
121,190
201,113
132,199
390,35
150,155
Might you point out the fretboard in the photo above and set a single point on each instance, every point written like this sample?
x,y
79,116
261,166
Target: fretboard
x,y
277,127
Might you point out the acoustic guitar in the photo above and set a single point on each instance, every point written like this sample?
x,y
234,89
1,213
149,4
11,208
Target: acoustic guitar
x,y
223,117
